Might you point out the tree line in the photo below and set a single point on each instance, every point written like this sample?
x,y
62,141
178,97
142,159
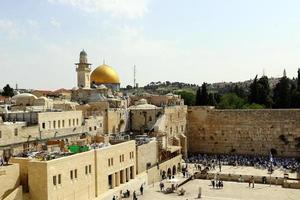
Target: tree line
x,y
285,94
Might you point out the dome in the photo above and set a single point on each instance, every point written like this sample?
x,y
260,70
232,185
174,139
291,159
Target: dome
x,y
104,74
24,95
83,53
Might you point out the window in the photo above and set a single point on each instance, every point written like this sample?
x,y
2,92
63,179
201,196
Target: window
x,y
75,173
77,122
43,125
71,174
54,180
90,169
123,157
54,124
69,122
150,118
86,169
0,134
59,178
73,122
109,162
120,158
90,128
16,132
63,123
95,128
58,123
100,124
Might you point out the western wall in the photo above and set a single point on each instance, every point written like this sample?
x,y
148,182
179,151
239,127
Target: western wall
x,y
255,132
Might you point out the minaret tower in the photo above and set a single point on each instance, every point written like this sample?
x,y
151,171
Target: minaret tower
x,y
83,70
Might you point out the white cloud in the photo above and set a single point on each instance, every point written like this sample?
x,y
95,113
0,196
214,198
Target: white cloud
x,y
54,22
117,8
10,28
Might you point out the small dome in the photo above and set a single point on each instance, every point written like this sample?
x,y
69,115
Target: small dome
x,y
104,74
102,87
24,95
141,102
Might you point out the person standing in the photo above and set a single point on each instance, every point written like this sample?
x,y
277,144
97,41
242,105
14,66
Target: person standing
x,y
134,195
142,189
114,197
199,192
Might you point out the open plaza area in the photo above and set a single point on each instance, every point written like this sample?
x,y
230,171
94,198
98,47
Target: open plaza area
x,y
230,191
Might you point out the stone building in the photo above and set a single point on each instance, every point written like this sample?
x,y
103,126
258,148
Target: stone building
x,y
81,176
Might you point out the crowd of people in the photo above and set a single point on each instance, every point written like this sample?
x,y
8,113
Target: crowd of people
x,y
263,162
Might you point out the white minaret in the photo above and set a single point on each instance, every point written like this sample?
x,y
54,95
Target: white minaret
x,y
83,70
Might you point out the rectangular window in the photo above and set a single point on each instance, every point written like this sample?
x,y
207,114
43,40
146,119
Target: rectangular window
x,y
77,122
90,128
54,124
75,173
73,122
100,124
95,128
16,132
43,125
120,158
123,157
63,123
112,161
0,134
109,162
90,169
59,178
69,122
71,174
58,123
86,169
54,180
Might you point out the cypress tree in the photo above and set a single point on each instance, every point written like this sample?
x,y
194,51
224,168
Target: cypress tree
x,y
282,93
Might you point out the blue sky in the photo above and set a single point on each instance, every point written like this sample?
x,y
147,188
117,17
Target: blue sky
x,y
188,41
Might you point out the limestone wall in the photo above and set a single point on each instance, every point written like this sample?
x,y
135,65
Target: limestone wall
x,y
9,179
244,131
17,194
146,153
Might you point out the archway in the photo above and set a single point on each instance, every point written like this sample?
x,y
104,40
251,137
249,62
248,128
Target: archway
x,y
174,170
163,175
169,173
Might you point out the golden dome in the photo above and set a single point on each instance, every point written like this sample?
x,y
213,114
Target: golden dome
x,y
104,74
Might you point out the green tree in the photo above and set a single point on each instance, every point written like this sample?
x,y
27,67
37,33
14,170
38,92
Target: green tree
x,y
295,93
264,92
188,97
260,92
8,91
231,101
253,91
211,99
203,97
282,93
198,97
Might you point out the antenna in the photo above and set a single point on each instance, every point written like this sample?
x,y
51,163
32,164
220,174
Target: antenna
x,y
134,74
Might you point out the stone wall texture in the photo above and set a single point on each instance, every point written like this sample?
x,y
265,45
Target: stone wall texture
x,y
253,132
